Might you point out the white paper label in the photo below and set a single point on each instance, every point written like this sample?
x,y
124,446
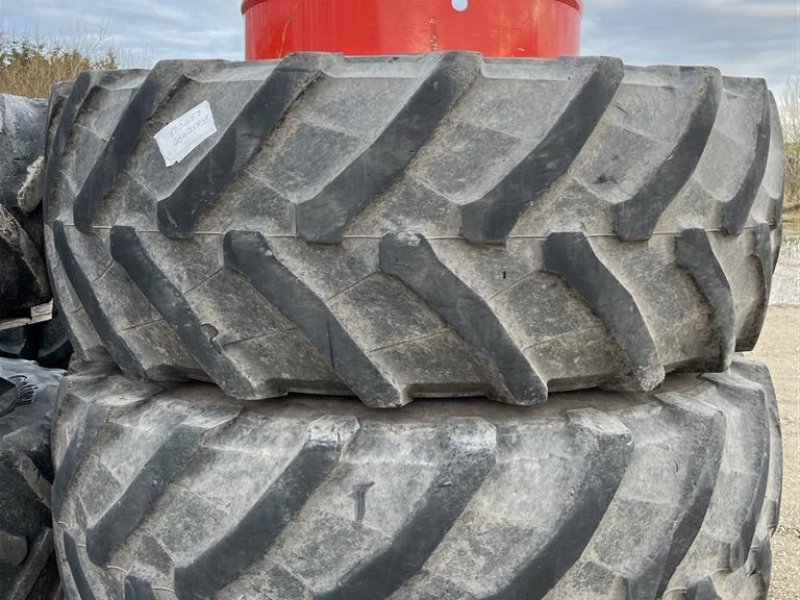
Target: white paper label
x,y
177,140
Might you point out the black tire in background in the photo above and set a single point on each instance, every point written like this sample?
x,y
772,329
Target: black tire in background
x,y
23,270
28,569
178,491
405,227
47,343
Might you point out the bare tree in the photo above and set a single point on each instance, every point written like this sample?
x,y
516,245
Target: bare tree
x,y
29,65
789,104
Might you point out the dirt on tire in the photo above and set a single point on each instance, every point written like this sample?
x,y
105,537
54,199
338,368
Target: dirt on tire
x,y
593,495
411,227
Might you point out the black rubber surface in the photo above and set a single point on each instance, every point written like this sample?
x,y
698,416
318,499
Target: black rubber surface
x,y
23,272
407,227
28,569
673,494
47,343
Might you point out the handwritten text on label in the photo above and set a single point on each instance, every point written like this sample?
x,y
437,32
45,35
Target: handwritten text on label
x,y
177,140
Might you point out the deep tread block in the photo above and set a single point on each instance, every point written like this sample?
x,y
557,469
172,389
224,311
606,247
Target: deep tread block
x,y
128,251
692,519
159,85
490,219
59,95
751,506
323,218
762,254
410,258
695,254
75,452
113,528
116,344
737,521
249,254
604,475
257,531
737,209
637,217
81,92
571,257
471,456
178,213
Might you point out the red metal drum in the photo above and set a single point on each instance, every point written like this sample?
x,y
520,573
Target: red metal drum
x,y
275,28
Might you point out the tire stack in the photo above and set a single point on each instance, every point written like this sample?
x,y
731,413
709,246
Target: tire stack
x,y
28,565
414,328
24,282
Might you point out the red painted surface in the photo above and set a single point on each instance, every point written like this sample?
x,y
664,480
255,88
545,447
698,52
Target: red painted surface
x,y
274,28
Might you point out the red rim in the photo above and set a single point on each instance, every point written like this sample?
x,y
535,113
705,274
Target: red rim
x,y
494,28
576,4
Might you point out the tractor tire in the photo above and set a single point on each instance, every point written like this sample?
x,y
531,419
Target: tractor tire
x,y
47,343
28,567
177,491
404,227
23,269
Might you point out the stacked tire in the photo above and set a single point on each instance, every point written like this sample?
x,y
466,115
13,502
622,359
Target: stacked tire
x,y
24,282
416,227
414,328
23,272
178,491
28,566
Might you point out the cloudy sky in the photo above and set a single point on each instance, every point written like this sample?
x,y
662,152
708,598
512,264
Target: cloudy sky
x,y
742,37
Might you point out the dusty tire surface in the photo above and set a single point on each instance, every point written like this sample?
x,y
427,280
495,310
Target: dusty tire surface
x,y
410,227
28,568
178,491
23,270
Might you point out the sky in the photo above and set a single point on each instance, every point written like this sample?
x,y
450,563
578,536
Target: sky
x,y
741,37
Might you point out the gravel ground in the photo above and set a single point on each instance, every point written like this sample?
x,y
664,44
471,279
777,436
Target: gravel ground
x,y
779,348
786,281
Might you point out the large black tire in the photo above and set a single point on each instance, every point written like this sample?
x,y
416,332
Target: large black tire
x,y
593,495
23,270
28,568
408,227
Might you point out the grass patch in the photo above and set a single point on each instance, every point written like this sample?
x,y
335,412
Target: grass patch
x,y
791,219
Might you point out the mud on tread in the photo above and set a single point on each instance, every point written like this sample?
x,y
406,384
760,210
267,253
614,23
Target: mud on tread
x,y
28,569
335,500
534,189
